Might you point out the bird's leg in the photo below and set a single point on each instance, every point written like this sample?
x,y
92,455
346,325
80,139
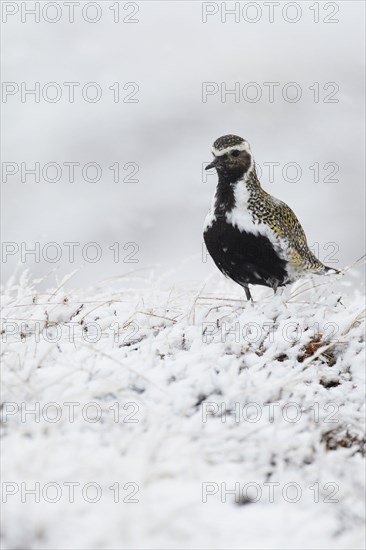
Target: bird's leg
x,y
247,293
275,287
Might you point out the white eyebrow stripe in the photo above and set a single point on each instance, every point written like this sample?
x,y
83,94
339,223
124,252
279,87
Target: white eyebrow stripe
x,y
240,147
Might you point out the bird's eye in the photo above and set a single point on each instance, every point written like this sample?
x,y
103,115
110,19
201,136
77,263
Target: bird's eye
x,y
235,153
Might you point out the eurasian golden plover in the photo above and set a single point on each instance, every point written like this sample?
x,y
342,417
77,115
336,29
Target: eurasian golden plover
x,y
252,237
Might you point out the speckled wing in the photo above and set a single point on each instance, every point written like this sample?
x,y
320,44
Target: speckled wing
x,y
289,229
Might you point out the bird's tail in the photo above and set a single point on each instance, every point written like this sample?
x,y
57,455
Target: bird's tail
x,y
326,270
331,270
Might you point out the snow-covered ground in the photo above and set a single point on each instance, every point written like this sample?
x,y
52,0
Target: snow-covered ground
x,y
182,417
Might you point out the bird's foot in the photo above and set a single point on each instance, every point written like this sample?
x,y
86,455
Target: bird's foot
x,y
248,294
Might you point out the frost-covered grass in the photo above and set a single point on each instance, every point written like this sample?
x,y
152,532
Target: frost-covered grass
x,y
193,391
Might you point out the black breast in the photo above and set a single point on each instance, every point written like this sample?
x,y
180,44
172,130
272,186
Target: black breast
x,y
244,257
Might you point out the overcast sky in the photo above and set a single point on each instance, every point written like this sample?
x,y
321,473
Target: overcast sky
x,y
164,72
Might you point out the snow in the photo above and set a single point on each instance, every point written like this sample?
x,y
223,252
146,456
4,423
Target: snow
x,y
192,392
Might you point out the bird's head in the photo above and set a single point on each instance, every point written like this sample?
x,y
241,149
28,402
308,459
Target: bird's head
x,y
232,156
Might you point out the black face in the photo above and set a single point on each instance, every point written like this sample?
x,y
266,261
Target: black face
x,y
234,162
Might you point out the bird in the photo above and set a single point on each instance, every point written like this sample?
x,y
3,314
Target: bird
x,y
253,237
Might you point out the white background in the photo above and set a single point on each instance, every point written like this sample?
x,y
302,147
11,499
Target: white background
x,y
169,53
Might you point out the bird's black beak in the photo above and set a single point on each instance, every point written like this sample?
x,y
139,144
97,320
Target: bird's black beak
x,y
213,164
